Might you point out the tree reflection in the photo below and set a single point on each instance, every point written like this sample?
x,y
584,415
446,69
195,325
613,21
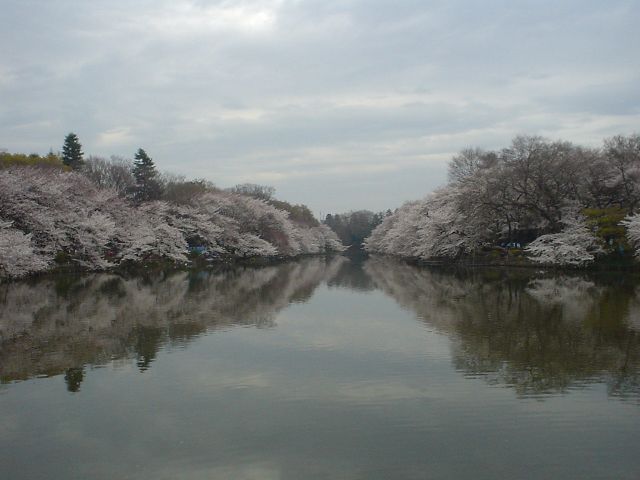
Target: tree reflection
x,y
73,378
57,325
352,276
147,344
536,335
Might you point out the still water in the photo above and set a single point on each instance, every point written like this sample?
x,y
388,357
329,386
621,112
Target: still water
x,y
323,368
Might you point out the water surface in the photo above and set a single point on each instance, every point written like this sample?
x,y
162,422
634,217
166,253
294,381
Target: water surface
x,y
322,368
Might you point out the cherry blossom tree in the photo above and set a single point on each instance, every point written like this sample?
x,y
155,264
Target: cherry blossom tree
x,y
57,216
576,245
520,195
632,225
17,256
432,227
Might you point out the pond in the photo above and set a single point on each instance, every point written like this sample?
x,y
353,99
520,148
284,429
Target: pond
x,y
330,368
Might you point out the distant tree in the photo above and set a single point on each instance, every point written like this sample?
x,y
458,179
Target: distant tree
x,y
353,227
115,173
72,152
468,162
623,154
147,186
177,189
300,214
51,160
263,192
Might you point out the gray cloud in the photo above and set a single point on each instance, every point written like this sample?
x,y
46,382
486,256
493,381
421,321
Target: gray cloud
x,y
340,104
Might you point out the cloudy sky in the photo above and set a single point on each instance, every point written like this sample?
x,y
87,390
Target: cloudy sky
x,y
339,104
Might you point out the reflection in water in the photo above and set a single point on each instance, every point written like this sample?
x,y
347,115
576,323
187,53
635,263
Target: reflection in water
x,y
539,336
350,369
352,277
73,378
57,325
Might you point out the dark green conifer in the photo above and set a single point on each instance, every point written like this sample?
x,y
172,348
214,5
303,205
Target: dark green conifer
x,y
72,152
147,185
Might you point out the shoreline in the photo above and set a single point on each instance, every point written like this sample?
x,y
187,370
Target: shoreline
x,y
624,264
156,266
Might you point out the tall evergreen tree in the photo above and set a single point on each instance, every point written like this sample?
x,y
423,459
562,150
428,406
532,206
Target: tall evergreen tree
x,y
147,185
72,152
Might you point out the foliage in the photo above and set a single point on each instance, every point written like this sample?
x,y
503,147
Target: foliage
x,y
51,160
72,155
425,229
623,155
261,192
575,245
297,213
353,227
17,257
300,214
147,187
632,224
181,191
607,225
527,191
65,216
115,174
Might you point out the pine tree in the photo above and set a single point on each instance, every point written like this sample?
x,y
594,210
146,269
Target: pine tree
x,y
72,152
147,185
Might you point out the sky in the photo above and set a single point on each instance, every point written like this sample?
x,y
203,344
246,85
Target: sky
x,y
340,105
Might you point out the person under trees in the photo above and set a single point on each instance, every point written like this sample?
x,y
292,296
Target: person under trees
x,y
147,186
72,155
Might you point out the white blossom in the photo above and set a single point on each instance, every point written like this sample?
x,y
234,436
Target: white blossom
x,y
432,227
632,224
575,245
48,214
17,257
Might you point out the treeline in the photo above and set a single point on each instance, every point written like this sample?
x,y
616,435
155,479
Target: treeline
x,y
354,227
97,214
139,180
565,204
50,160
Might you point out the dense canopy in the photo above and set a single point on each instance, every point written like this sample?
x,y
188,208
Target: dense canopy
x,y
566,203
95,220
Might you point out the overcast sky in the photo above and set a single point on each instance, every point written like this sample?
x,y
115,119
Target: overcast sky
x,y
338,104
